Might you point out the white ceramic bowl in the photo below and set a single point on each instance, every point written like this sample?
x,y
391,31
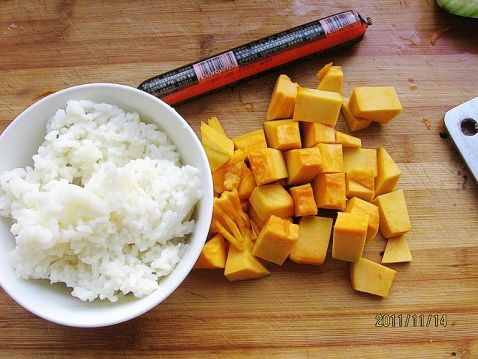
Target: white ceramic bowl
x,y
21,140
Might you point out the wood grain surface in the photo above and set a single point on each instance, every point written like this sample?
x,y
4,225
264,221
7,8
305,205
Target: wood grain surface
x,y
299,311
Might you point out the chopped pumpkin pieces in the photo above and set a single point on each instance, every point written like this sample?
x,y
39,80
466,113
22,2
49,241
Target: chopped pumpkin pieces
x,y
242,265
304,202
388,173
270,184
314,236
329,190
350,232
315,133
394,219
271,199
276,239
213,254
397,251
359,206
282,135
321,73
282,102
303,165
317,106
216,124
267,165
250,142
333,80
354,123
370,277
347,140
380,104
363,159
218,147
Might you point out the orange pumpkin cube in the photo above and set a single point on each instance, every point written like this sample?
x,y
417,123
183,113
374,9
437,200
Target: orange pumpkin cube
x,y
282,100
271,199
354,123
329,190
361,184
267,165
242,265
388,173
282,135
332,157
250,142
303,165
313,105
314,237
350,232
276,239
359,206
314,133
247,184
252,213
364,159
304,202
213,254
347,140
394,219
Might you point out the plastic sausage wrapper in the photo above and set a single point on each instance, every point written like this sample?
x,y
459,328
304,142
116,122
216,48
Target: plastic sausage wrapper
x,y
184,83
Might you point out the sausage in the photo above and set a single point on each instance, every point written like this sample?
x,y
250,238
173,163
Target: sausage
x,y
186,82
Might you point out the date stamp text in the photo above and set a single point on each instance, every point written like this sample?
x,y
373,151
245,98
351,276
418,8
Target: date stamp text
x,y
408,320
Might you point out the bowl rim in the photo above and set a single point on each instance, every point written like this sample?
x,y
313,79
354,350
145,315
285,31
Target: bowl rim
x,y
206,202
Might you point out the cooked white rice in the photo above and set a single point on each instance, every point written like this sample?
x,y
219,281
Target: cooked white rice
x,y
106,206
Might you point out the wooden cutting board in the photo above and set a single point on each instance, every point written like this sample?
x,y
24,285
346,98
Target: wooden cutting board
x,y
299,311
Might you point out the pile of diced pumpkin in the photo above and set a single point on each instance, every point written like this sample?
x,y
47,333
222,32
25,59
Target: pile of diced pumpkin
x,y
270,183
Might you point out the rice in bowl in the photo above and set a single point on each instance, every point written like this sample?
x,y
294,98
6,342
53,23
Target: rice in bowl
x,y
105,208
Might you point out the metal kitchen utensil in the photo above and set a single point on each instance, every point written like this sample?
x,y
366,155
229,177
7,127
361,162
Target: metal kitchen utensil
x,y
461,123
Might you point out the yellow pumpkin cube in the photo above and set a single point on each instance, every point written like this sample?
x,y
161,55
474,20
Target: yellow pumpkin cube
x,y
282,100
216,124
333,80
360,159
314,133
329,190
233,170
242,265
347,140
267,165
321,73
359,206
303,165
317,106
213,254
350,232
247,184
218,147
370,277
360,183
314,237
304,202
397,251
388,173
380,104
354,123
332,157
276,240
282,135
271,199
251,141
394,220
218,180
254,217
